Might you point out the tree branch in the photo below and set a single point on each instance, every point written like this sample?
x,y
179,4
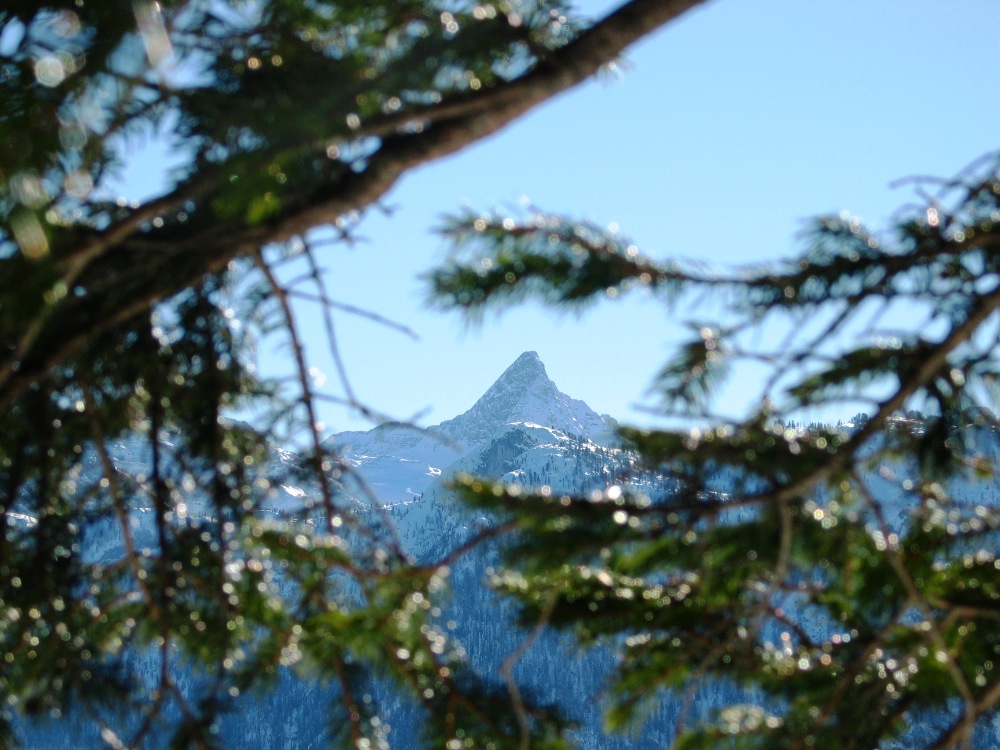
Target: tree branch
x,y
146,268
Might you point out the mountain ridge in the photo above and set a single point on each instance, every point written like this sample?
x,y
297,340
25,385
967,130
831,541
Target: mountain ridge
x,y
399,461
523,393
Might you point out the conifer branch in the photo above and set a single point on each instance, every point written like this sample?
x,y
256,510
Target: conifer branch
x,y
153,266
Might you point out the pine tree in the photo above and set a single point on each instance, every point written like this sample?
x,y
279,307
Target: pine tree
x,y
117,327
135,325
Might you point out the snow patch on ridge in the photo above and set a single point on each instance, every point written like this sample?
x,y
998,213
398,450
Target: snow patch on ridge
x,y
523,424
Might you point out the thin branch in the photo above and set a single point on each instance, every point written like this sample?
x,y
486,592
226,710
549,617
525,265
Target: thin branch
x,y
916,598
956,733
515,656
320,465
358,311
118,501
347,698
322,470
331,332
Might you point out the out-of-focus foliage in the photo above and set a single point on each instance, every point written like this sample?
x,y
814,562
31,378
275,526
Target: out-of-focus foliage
x,y
845,577
152,571
289,114
127,337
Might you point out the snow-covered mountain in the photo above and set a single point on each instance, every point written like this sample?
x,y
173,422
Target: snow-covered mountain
x,y
524,393
398,462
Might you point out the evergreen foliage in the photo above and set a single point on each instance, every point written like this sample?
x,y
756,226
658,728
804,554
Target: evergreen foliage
x,y
772,564
129,330
136,324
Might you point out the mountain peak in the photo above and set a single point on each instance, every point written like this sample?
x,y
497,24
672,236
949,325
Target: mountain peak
x,y
523,393
528,359
527,368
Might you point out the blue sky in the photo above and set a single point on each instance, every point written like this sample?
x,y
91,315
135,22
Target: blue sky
x,y
726,131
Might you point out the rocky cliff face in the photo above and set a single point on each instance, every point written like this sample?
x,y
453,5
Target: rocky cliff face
x,y
524,393
523,409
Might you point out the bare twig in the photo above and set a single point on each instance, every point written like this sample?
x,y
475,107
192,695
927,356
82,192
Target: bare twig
x,y
511,661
